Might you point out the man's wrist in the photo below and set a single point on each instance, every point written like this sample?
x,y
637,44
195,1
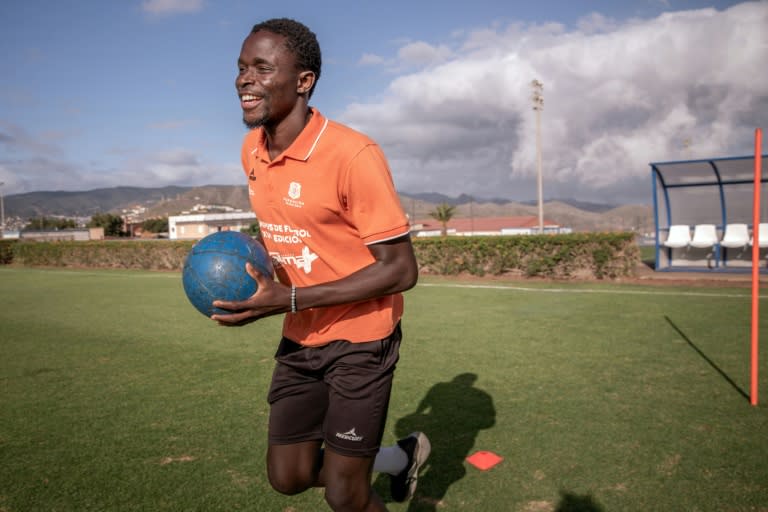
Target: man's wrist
x,y
293,299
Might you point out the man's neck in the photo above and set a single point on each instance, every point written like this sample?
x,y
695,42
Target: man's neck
x,y
281,136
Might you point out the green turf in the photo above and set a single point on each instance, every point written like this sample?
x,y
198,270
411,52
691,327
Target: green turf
x,y
115,394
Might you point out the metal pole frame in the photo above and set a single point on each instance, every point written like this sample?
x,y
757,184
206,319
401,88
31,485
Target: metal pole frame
x,y
538,106
754,337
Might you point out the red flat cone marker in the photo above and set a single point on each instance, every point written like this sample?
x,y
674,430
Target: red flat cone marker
x,y
484,460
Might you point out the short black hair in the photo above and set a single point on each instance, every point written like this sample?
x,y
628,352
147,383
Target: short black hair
x,y
299,40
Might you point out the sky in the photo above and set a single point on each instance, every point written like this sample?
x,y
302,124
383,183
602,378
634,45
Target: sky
x,y
100,94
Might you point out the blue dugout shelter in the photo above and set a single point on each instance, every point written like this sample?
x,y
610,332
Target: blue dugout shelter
x,y
703,212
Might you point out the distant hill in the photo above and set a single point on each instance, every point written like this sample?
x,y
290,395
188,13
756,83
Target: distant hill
x,y
436,198
84,203
463,199
581,205
164,201
158,201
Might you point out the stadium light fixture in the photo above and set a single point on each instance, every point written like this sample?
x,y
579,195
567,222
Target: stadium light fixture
x,y
538,106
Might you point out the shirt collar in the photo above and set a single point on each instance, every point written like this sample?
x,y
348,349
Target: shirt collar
x,y
303,146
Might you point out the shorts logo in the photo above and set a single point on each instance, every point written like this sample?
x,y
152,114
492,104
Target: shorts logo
x,y
349,435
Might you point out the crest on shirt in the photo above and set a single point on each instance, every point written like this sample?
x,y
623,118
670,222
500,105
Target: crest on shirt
x,y
294,190
294,193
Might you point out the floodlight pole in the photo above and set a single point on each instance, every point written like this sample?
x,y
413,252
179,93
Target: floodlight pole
x,y
687,145
471,216
2,209
538,106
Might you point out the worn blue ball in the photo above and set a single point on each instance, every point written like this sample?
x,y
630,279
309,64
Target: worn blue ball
x,y
215,270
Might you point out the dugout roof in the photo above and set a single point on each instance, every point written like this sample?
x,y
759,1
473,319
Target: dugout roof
x,y
716,191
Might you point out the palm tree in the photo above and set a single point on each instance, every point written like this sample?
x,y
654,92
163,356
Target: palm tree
x,y
443,213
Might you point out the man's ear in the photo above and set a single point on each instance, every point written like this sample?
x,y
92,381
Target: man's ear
x,y
305,82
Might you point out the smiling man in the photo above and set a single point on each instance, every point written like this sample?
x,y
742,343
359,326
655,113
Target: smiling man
x,y
332,221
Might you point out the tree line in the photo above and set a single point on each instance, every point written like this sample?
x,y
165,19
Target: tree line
x,y
113,225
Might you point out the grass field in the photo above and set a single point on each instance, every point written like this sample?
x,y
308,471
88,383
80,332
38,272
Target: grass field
x,y
115,394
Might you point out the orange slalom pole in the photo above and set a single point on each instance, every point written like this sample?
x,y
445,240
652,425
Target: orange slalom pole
x,y
756,267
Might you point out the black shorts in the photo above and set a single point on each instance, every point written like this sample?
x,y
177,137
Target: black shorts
x,y
337,393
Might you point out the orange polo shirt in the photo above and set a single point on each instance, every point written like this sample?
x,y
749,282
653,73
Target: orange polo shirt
x,y
320,204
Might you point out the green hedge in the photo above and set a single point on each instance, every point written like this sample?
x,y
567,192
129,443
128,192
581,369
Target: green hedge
x,y
589,256
585,256
147,255
6,251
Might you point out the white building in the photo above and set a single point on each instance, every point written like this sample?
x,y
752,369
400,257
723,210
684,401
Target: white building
x,y
199,225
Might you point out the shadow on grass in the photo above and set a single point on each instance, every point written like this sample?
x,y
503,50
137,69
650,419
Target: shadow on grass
x,y
451,414
572,502
650,263
711,363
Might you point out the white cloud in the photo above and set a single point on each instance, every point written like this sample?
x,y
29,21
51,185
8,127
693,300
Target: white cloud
x,y
411,55
179,166
166,7
618,95
36,161
594,23
16,140
420,53
370,59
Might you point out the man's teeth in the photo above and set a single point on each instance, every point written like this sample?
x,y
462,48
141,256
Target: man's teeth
x,y
248,97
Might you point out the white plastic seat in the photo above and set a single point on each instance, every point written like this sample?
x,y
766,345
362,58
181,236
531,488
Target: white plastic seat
x,y
736,235
704,235
762,235
679,236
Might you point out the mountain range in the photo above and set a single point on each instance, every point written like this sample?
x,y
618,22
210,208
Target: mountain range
x,y
173,200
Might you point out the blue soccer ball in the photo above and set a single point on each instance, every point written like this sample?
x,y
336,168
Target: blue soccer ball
x,y
215,270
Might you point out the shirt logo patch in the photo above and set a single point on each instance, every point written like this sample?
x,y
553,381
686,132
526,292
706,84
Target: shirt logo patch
x,y
294,190
294,193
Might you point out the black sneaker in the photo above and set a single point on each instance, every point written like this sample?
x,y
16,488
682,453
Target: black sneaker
x,y
403,485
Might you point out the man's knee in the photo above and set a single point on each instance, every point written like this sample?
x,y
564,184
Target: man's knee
x,y
289,483
291,473
347,496
347,482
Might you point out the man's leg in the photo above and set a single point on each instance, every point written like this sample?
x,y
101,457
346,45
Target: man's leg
x,y
298,399
347,482
294,468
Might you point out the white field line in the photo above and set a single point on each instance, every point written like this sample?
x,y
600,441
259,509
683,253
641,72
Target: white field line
x,y
590,290
177,275
129,273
